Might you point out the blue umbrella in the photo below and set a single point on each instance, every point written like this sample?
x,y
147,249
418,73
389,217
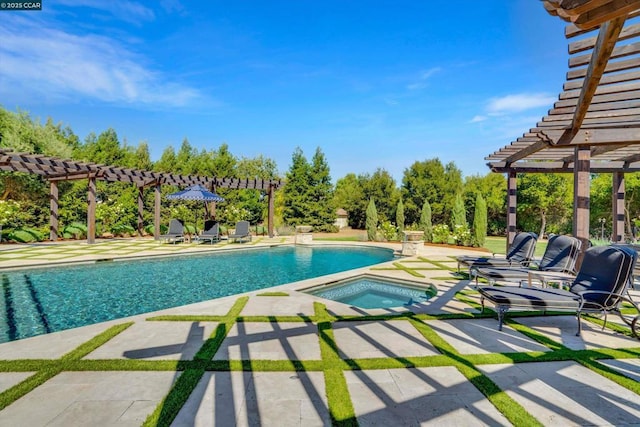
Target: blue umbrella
x,y
198,193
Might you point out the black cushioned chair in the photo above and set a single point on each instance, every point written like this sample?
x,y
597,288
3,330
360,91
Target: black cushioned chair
x,y
520,253
559,257
600,287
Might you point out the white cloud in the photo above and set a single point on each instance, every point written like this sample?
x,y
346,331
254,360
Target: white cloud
x,y
477,119
519,102
53,64
128,11
422,80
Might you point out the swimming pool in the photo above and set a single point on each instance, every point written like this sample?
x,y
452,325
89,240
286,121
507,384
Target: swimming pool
x,y
39,301
373,292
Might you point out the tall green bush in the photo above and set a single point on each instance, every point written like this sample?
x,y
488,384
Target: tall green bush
x,y
400,216
480,221
425,222
459,213
372,220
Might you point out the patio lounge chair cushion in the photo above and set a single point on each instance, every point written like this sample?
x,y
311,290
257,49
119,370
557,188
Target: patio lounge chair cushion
x,y
560,257
519,254
599,286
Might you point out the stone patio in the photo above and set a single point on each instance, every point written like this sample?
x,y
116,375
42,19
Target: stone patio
x,y
439,366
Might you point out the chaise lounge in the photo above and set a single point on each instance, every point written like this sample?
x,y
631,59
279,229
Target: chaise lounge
x,y
600,287
241,232
211,232
175,233
559,260
520,254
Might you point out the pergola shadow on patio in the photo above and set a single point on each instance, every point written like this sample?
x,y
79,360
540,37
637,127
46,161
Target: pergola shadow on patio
x,y
55,170
594,127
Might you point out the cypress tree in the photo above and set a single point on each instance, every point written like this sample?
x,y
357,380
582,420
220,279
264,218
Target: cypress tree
x,y
480,220
458,214
372,220
425,222
400,216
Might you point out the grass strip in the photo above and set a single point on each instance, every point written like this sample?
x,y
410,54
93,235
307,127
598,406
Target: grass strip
x,y
14,393
186,318
273,294
611,374
168,409
95,342
411,271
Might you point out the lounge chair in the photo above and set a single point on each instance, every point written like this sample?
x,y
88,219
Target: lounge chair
x,y
519,254
241,232
175,233
600,287
211,233
559,259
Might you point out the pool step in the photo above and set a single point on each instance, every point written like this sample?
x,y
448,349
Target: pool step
x,y
21,311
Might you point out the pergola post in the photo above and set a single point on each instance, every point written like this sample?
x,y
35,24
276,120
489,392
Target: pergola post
x,y
53,211
156,212
512,202
91,211
581,199
270,211
618,195
140,210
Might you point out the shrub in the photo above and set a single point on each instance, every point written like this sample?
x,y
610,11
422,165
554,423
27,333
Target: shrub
x,y
388,231
75,230
480,221
441,233
25,235
123,229
461,235
400,216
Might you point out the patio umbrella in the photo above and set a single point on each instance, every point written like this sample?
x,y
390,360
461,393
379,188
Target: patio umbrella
x,y
198,193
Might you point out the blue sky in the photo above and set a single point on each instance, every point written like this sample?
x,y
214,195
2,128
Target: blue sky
x,y
374,84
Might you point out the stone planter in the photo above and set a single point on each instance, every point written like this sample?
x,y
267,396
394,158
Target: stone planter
x,y
413,241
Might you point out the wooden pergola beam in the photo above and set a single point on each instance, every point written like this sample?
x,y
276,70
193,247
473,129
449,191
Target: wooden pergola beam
x,y
605,44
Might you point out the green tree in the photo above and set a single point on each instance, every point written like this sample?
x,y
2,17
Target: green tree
x,y
493,187
545,202
400,216
480,221
372,220
459,213
382,187
322,212
430,180
425,222
296,189
349,195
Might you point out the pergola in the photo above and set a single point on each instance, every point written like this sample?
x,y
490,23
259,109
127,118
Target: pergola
x,y
594,127
55,170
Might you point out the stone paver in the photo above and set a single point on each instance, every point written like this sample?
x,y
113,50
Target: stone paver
x,y
425,396
566,393
278,306
563,330
9,379
271,341
627,367
157,341
482,336
91,398
259,398
359,340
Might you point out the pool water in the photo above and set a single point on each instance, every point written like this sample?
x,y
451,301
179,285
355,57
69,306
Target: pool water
x,y
38,301
368,292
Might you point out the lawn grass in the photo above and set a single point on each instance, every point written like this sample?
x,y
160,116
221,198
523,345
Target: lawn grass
x,y
498,245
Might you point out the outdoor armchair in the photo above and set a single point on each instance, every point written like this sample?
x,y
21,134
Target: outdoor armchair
x,y
600,287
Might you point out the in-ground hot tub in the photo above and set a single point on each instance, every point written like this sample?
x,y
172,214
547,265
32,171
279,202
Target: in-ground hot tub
x,y
368,291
